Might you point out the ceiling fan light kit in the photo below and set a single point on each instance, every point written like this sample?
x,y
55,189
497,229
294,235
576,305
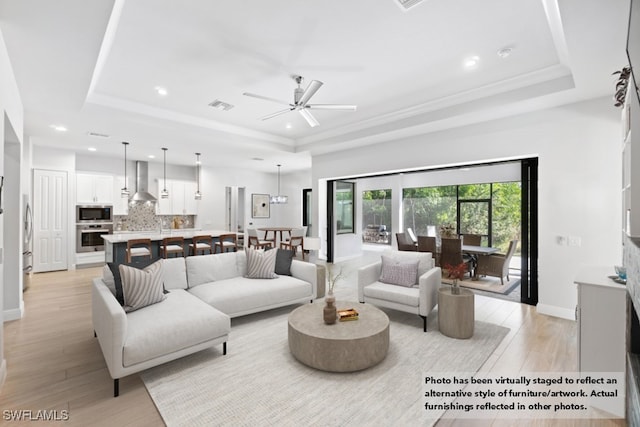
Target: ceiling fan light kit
x,y
301,98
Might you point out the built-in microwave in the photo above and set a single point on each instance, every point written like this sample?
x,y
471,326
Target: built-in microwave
x,y
94,213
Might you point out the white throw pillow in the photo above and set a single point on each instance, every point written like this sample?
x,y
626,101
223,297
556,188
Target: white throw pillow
x,y
396,272
261,264
141,288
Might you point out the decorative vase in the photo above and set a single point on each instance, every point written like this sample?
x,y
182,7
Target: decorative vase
x,y
455,289
329,312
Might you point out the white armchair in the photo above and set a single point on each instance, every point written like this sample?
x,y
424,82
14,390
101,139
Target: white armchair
x,y
419,299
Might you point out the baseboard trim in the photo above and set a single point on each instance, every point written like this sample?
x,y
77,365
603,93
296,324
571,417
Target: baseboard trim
x,y
14,314
555,311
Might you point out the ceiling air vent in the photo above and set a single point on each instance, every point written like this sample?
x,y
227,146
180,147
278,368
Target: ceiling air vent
x,y
220,105
408,4
98,135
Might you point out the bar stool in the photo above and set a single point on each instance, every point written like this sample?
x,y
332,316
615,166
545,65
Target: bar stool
x,y
172,245
138,247
225,242
202,244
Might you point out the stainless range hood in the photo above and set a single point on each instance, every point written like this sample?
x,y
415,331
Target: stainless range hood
x,y
142,184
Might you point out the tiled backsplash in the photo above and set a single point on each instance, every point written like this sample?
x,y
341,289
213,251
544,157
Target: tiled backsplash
x,y
142,217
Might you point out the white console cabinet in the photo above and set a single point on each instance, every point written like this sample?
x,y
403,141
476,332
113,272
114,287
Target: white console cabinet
x,y
601,316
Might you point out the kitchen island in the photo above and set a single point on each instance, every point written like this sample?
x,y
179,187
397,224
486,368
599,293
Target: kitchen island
x,y
115,245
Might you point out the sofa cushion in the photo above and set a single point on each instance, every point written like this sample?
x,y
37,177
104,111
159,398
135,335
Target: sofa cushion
x,y
137,263
175,273
142,287
261,264
178,322
208,268
242,295
396,272
398,294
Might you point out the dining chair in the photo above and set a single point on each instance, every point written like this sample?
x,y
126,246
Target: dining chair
x,y
451,254
427,244
202,244
296,240
172,245
226,242
256,242
497,265
404,243
471,239
138,248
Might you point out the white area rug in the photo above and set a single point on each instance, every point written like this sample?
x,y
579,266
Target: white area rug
x,y
259,383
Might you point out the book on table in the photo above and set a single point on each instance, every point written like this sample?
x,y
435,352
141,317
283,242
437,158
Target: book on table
x,y
347,314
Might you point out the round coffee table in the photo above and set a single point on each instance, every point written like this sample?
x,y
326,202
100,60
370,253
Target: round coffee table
x,y
344,346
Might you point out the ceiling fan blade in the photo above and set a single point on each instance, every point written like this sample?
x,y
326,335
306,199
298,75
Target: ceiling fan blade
x,y
309,118
266,98
309,91
277,113
332,107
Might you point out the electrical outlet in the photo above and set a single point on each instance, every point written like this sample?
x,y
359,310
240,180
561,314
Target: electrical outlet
x,y
574,241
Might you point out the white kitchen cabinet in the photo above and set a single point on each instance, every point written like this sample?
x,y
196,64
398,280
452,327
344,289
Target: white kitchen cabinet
x,y
94,189
181,199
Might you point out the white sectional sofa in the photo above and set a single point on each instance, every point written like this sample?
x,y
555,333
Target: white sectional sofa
x,y
419,298
204,293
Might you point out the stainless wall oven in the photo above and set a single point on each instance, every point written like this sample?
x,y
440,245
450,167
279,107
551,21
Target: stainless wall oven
x,y
94,213
89,236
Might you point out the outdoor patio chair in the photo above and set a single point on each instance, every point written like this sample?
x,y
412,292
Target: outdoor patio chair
x,y
497,265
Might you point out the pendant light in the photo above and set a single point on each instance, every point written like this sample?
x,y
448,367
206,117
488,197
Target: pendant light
x,y
279,199
198,195
164,194
124,192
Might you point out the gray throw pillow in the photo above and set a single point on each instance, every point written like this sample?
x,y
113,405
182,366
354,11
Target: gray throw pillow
x,y
117,281
284,258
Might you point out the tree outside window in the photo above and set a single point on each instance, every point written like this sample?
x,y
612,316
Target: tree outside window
x,y
376,216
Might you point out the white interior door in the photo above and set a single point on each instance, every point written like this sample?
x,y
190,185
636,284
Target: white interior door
x,y
50,237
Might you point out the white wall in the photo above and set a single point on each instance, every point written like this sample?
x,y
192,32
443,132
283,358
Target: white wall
x,y
579,181
11,110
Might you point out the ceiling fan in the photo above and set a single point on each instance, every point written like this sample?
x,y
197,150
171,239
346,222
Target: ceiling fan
x,y
301,98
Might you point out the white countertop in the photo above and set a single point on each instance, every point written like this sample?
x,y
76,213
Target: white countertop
x,y
121,237
597,276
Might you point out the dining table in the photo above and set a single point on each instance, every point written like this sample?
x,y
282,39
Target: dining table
x,y
474,252
276,231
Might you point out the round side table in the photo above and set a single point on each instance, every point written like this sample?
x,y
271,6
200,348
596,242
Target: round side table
x,y
456,313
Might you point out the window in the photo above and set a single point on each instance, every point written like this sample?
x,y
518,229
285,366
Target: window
x,y
344,207
427,207
491,210
376,216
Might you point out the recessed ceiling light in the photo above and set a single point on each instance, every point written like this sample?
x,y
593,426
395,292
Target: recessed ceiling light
x,y
92,149
151,156
161,91
59,128
505,52
471,62
288,126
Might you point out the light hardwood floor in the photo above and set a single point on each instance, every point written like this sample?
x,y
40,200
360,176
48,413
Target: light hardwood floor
x,y
55,363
